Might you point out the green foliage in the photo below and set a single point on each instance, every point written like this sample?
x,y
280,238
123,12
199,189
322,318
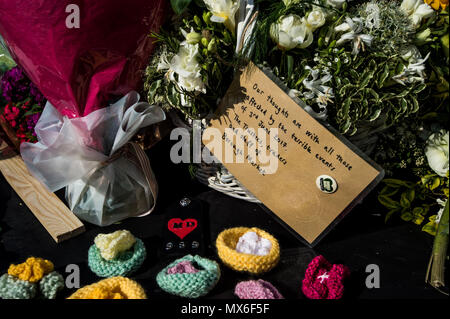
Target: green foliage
x,y
365,95
364,90
413,202
437,43
216,58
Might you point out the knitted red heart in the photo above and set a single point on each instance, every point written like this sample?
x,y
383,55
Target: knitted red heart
x,y
182,228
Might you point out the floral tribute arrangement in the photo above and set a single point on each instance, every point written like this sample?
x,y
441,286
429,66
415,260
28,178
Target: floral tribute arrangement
x,y
22,104
194,63
377,71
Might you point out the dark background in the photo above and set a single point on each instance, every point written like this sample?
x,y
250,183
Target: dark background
x,y
401,250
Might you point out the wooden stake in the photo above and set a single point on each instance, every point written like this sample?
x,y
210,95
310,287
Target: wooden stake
x,y
51,212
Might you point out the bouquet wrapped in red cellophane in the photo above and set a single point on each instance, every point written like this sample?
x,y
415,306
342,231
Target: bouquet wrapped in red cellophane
x,y
84,55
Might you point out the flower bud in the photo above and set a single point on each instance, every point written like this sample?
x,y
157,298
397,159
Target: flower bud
x,y
197,21
207,17
205,42
212,46
193,37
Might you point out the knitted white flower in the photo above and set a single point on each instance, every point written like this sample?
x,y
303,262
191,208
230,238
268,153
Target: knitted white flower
x,y
251,243
110,245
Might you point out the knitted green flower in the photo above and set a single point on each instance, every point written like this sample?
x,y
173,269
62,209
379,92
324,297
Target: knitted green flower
x,y
124,264
190,285
13,288
51,284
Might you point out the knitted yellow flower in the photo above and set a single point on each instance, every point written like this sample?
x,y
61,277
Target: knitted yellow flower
x,y
110,245
226,248
436,4
111,288
32,270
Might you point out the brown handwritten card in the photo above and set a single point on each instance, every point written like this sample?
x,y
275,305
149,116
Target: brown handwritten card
x,y
319,176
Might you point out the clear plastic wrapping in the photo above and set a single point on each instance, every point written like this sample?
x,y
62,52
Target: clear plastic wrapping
x,y
106,180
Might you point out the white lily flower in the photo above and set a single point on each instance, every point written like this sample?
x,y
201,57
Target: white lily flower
x,y
354,27
414,72
291,32
416,10
437,152
224,11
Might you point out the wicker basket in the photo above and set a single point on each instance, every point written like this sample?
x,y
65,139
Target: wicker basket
x,y
216,175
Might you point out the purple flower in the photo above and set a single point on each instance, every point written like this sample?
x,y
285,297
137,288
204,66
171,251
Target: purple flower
x,y
16,87
31,122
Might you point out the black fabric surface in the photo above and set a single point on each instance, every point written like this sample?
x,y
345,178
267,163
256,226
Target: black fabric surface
x,y
400,250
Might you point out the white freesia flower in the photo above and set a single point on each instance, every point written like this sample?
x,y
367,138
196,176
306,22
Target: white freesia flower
x,y
353,28
315,19
322,93
184,70
224,11
336,3
316,91
416,10
437,152
414,72
291,32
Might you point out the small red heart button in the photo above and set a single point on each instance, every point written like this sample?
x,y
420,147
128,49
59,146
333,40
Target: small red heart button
x,y
180,227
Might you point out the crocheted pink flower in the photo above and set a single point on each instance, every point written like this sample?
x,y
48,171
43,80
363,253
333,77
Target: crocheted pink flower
x,y
184,267
256,289
324,280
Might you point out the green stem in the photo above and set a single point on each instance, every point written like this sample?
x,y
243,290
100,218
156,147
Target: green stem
x,y
435,272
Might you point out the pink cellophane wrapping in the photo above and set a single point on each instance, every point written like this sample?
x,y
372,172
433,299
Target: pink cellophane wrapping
x,y
80,69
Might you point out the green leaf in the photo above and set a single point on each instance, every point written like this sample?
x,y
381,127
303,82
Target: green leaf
x,y
388,202
403,93
406,216
389,191
173,96
179,6
415,104
375,115
346,126
392,182
389,214
365,79
344,88
430,228
354,74
399,68
410,195
404,201
153,90
290,65
420,88
383,76
346,107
